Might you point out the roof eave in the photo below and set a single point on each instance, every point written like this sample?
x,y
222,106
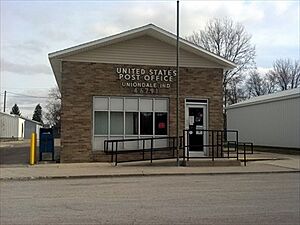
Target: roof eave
x,y
109,40
261,101
147,29
56,65
196,49
56,57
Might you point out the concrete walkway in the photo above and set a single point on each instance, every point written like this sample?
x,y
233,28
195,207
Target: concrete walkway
x,y
267,163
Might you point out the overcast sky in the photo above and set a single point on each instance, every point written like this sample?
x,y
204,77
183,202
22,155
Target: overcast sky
x,y
32,29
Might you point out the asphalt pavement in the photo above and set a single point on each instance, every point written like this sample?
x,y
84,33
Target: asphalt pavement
x,y
266,191
268,199
16,153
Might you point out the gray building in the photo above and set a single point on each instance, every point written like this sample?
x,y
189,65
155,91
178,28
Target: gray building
x,y
270,120
16,127
30,127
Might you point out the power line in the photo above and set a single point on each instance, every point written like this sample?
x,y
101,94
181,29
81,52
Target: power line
x,y
21,107
23,95
27,97
19,88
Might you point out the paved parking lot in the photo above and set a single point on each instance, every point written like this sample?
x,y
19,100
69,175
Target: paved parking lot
x,y
16,155
17,152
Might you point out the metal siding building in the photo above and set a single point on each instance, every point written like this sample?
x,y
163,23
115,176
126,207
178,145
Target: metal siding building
x,y
270,120
11,126
31,126
15,127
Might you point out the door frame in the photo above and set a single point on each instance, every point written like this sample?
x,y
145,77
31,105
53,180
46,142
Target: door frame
x,y
197,103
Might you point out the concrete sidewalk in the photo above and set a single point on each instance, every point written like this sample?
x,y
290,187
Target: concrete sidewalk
x,y
281,164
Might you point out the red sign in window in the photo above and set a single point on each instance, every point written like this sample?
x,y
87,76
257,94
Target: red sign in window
x,y
161,125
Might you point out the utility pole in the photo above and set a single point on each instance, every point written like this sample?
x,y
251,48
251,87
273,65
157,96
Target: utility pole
x,y
177,85
4,101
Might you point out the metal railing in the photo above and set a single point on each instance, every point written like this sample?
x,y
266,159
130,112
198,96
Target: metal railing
x,y
246,146
213,144
112,147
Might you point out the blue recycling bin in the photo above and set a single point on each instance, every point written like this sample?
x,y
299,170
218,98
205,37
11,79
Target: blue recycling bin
x,y
46,142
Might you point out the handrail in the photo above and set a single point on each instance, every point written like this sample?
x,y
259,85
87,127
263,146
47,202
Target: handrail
x,y
215,141
115,151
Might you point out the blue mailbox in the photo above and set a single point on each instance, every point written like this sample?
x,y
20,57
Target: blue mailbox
x,y
46,142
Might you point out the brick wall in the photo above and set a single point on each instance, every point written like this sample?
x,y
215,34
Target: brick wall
x,y
81,81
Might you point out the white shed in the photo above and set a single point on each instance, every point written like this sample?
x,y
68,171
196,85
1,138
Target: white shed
x,y
30,127
11,126
16,127
270,120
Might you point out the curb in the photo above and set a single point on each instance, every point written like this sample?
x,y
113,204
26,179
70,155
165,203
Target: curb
x,y
137,175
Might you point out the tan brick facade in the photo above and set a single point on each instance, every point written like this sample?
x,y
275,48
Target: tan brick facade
x,y
81,81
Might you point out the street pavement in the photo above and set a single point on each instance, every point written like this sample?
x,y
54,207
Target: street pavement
x,y
164,167
266,191
236,199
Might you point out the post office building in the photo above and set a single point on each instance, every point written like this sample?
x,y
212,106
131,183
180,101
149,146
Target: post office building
x,y
124,86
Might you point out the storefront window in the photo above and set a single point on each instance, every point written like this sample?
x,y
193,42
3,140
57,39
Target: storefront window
x,y
131,123
101,123
116,123
128,117
146,123
161,120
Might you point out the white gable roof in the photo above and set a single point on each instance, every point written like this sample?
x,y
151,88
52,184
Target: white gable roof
x,y
19,117
278,96
150,30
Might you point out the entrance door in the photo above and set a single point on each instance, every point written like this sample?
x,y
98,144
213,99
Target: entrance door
x,y
196,122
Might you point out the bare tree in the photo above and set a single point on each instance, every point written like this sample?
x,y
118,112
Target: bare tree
x,y
229,40
53,109
286,74
235,91
258,84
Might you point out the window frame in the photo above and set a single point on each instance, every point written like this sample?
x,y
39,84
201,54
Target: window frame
x,y
124,110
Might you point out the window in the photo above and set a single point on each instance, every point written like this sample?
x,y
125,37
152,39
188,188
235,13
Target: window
x,y
161,123
100,104
101,123
131,104
116,123
146,123
131,123
116,104
128,117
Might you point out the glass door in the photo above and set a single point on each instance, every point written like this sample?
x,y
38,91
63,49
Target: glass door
x,y
196,122
195,129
